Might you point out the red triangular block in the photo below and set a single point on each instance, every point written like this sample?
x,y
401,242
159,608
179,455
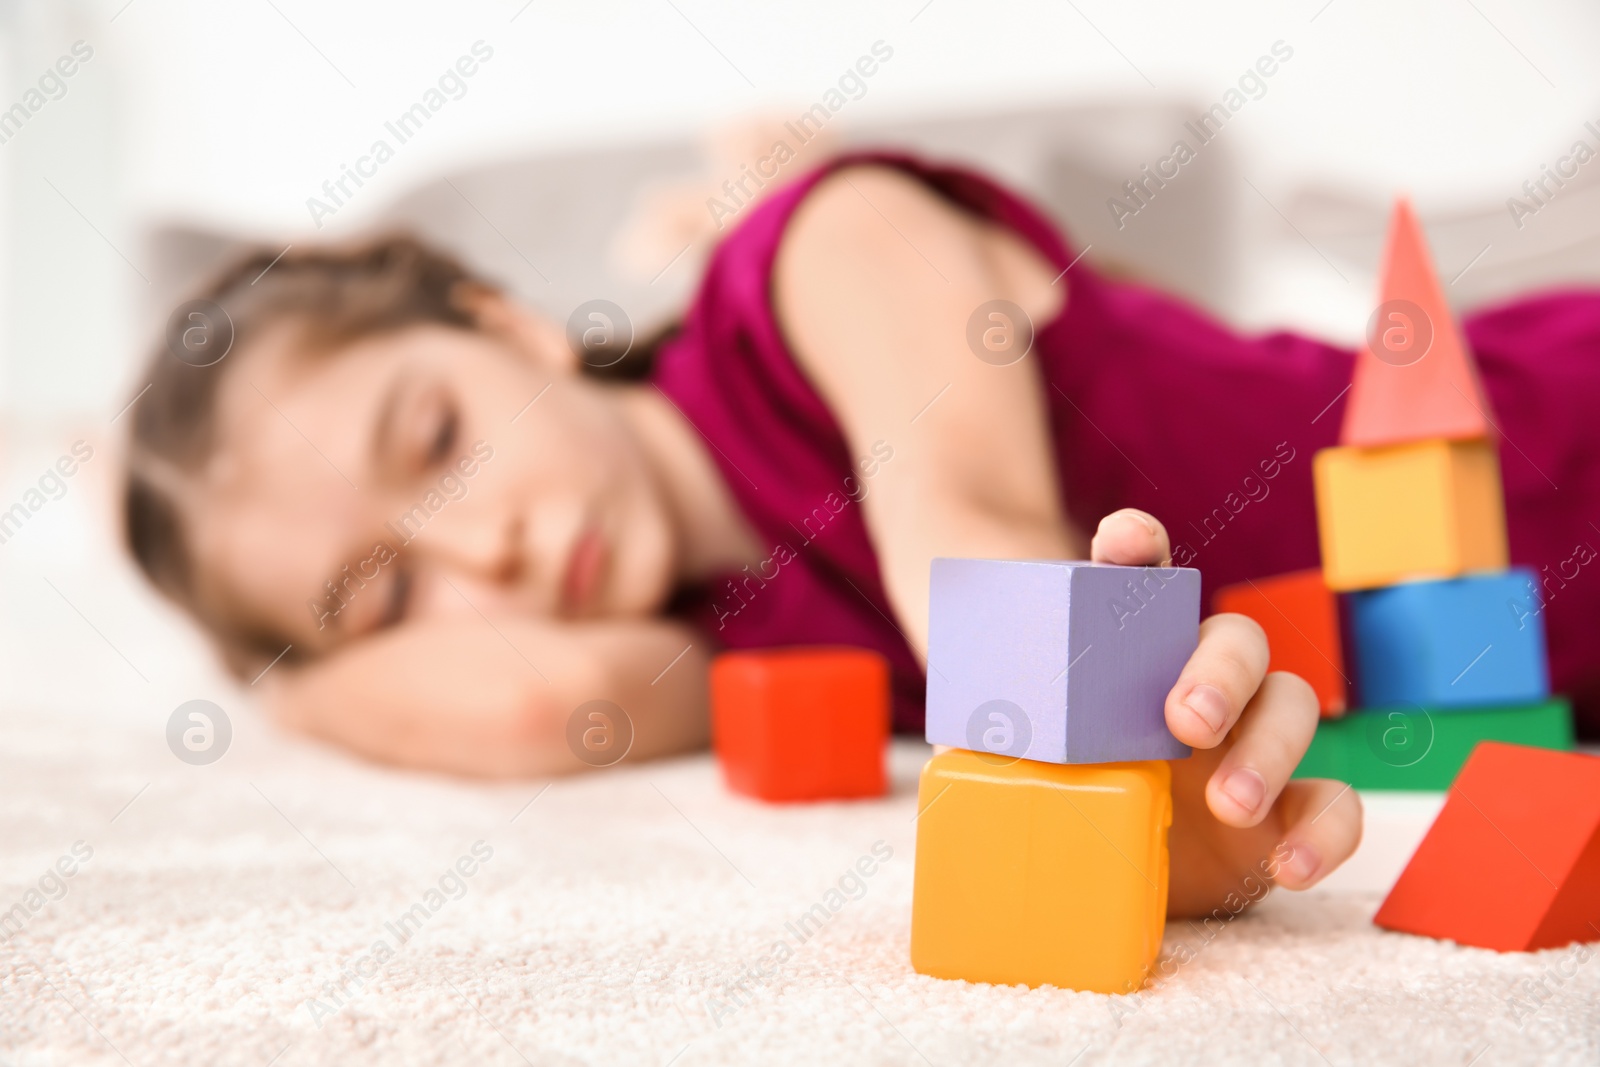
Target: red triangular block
x,y
1414,378
1513,860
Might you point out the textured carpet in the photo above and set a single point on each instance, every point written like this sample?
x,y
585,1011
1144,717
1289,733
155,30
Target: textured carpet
x,y
234,913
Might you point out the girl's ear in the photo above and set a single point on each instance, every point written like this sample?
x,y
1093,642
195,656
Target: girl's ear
x,y
530,334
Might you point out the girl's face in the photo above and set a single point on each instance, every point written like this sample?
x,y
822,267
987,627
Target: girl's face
x,y
426,473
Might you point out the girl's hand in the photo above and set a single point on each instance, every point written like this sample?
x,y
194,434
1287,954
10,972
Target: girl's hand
x,y
1236,815
497,699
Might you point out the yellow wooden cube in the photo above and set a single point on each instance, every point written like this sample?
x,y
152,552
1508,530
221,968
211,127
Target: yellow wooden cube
x,y
1040,873
1427,509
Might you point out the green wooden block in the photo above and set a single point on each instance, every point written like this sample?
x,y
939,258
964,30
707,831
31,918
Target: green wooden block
x,y
1424,748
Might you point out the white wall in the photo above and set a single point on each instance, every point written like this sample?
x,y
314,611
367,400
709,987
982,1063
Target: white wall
x,y
226,113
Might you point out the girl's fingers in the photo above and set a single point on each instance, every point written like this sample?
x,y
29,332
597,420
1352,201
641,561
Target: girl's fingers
x,y
1324,828
1272,735
1132,538
1218,681
1225,688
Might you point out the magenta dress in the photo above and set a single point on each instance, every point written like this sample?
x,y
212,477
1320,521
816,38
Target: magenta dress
x,y
1153,405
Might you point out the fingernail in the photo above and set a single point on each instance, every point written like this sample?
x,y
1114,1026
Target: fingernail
x,y
1141,517
1245,788
1207,702
1302,864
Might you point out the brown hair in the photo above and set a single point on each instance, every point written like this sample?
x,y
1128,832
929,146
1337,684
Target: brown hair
x,y
335,296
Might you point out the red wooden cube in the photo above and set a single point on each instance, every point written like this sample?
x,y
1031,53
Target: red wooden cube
x,y
1513,860
801,723
1301,616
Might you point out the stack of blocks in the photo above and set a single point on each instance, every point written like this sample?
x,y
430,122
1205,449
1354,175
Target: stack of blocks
x,y
1042,832
1448,641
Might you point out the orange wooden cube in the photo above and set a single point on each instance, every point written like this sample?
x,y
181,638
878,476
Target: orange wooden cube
x,y
1040,873
1428,509
1513,860
1301,616
801,723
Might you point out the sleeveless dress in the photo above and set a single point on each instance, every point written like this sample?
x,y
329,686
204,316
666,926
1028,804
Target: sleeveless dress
x,y
1152,405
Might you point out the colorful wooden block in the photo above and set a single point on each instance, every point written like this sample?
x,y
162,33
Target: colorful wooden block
x,y
1432,509
1414,378
1301,617
1040,873
801,723
1416,749
1462,641
1058,661
1513,861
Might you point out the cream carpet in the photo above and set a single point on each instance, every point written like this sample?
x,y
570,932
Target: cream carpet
x,y
233,913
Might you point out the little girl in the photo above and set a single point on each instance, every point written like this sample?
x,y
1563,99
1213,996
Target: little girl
x,y
401,497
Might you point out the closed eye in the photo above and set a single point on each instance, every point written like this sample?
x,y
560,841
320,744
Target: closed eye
x,y
394,610
444,438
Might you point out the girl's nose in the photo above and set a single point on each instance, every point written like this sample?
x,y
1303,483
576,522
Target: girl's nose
x,y
488,551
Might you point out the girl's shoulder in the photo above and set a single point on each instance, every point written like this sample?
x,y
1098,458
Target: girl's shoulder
x,y
753,243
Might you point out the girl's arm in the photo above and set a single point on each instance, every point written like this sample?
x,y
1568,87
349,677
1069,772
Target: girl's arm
x,y
495,701
875,282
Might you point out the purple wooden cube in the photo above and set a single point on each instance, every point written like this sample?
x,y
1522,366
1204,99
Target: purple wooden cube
x,y
1059,661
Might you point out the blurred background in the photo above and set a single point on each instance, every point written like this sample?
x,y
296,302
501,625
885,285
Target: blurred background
x,y
576,161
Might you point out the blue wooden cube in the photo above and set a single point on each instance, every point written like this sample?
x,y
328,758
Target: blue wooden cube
x,y
1455,643
1058,661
